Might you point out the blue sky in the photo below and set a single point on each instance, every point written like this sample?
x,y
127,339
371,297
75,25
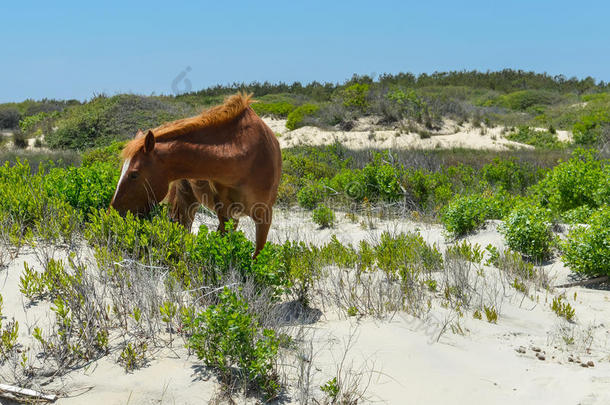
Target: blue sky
x,y
72,49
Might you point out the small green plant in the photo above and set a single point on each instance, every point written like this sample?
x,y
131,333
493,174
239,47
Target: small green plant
x,y
563,309
519,286
490,314
323,216
331,389
352,311
477,315
226,336
8,338
133,356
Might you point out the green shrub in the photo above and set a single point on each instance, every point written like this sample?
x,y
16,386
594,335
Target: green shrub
x,y
295,118
406,254
109,154
587,248
527,230
382,180
86,188
464,215
533,137
280,109
311,195
510,174
156,239
106,119
582,180
588,130
226,337
524,99
323,216
355,96
9,118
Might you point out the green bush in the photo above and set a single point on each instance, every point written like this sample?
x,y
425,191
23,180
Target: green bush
x,y
587,248
588,130
108,154
510,174
86,188
311,195
533,137
382,180
464,215
9,118
582,180
527,230
106,119
295,118
280,109
25,200
524,99
323,216
405,255
226,337
355,96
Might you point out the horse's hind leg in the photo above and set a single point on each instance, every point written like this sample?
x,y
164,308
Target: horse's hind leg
x,y
262,219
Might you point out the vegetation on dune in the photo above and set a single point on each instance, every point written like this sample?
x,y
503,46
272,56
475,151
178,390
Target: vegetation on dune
x,y
508,97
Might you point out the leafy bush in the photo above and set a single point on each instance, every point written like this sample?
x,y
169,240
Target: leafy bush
x,y
355,96
323,216
311,195
406,254
107,119
510,174
524,99
589,129
9,118
406,104
25,200
527,231
86,188
108,154
225,336
464,215
579,181
280,109
295,118
531,136
587,248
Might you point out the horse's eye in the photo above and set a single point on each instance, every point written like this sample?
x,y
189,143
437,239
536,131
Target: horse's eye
x,y
134,175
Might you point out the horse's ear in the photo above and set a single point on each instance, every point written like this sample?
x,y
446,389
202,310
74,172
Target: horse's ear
x,y
149,142
139,134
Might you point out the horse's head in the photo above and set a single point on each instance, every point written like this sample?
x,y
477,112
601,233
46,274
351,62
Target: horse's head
x,y
143,181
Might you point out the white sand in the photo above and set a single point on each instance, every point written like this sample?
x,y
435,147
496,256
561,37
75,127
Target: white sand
x,y
366,135
401,357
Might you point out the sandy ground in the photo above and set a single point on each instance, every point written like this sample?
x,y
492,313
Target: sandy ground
x,y
401,360
365,135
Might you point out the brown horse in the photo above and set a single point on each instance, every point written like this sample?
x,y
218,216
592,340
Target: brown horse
x,y
226,158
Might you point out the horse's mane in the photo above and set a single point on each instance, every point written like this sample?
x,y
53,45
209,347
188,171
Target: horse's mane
x,y
220,114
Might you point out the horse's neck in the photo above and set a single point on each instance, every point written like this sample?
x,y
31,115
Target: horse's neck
x,y
190,160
